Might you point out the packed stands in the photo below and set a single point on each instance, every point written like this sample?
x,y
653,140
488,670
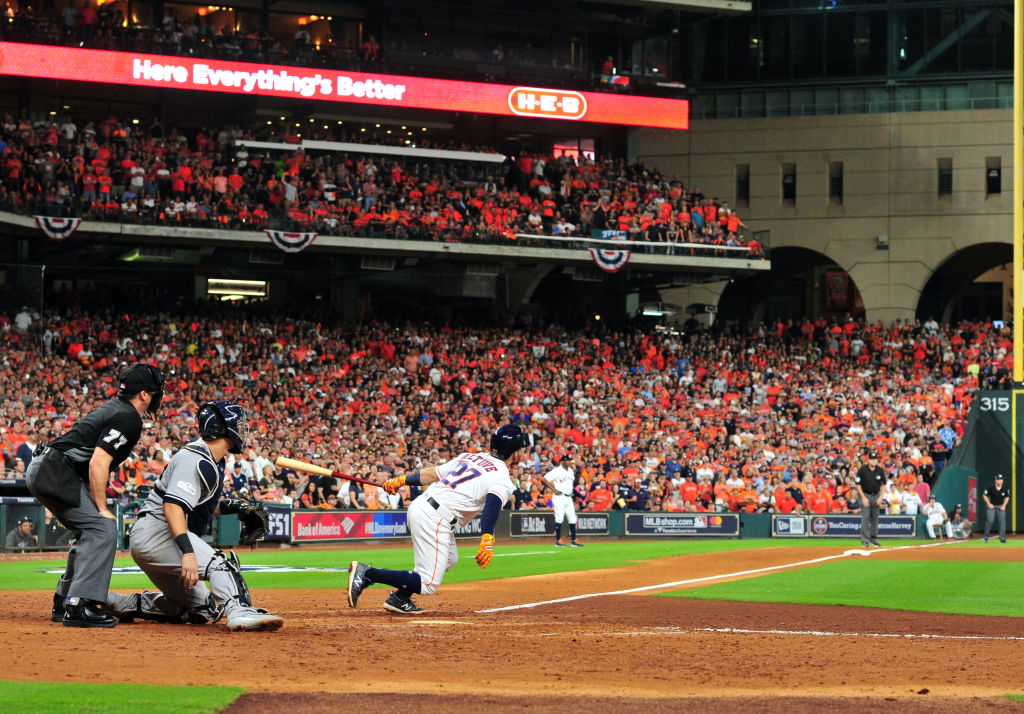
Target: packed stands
x,y
117,170
699,421
202,35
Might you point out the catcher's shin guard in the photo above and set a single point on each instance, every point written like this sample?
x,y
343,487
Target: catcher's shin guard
x,y
208,614
225,575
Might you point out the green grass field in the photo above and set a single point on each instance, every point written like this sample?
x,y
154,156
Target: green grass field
x,y
325,569
59,698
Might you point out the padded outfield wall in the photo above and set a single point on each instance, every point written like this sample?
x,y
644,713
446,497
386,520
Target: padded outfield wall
x,y
991,445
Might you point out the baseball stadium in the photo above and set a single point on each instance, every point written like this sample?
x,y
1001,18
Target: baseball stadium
x,y
416,356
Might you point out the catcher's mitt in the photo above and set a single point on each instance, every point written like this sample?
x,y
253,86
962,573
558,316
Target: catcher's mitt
x,y
253,519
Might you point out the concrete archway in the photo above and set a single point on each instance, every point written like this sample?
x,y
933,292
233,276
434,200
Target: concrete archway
x,y
802,283
972,283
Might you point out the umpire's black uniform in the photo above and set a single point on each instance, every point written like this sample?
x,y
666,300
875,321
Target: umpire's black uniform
x,y
870,479
996,497
60,479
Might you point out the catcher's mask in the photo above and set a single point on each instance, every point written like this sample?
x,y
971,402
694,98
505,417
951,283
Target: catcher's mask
x,y
223,418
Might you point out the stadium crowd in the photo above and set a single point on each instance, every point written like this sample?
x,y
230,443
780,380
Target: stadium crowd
x,y
777,419
115,170
202,34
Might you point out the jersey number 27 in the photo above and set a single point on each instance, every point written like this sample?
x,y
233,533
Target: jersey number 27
x,y
462,473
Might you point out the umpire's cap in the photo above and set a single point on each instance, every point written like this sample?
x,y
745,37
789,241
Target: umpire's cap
x,y
506,441
142,377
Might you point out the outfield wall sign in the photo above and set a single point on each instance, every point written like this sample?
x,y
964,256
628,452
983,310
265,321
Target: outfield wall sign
x,y
682,524
525,524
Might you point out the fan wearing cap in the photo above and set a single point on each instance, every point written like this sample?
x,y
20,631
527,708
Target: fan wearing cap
x,y
996,497
869,480
69,476
21,539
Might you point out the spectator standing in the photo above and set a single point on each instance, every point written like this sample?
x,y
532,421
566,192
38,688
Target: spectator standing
x,y
996,497
869,480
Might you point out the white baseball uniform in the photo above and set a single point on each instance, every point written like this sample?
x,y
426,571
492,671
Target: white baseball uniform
x,y
936,513
562,480
455,498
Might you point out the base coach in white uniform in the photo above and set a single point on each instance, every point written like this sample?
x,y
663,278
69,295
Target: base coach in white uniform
x,y
561,479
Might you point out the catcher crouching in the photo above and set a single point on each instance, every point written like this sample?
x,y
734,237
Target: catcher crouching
x,y
167,539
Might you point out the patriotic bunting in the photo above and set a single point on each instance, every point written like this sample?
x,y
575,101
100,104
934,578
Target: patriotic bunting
x,y
610,261
58,228
291,242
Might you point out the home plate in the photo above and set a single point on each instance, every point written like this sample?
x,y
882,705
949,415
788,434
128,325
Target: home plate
x,y
857,551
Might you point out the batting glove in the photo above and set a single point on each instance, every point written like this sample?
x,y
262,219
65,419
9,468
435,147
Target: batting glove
x,y
486,550
393,484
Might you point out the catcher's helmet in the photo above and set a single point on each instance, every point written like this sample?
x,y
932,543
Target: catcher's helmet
x,y
224,418
142,377
506,441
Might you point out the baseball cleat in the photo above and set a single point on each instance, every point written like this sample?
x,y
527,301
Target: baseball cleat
x,y
79,612
401,606
132,608
559,544
254,620
577,544
357,581
57,613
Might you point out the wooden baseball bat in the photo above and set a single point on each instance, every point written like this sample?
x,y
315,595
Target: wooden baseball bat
x,y
286,463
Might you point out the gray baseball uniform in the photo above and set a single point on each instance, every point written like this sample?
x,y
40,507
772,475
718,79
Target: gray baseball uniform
x,y
192,481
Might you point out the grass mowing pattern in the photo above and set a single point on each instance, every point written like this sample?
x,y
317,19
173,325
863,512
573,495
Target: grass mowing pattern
x,y
67,697
961,588
512,559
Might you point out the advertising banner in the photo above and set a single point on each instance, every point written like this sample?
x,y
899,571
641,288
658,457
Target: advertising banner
x,y
848,526
340,525
789,527
697,524
279,523
542,523
145,70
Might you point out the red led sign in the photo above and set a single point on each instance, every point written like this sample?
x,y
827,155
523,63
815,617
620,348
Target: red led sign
x,y
129,68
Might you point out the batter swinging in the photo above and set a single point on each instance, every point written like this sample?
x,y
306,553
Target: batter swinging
x,y
457,491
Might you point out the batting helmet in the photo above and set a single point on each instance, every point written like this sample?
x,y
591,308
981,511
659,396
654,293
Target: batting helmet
x,y
506,441
225,419
142,377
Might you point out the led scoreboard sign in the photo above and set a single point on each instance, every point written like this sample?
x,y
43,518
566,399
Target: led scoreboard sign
x,y
143,70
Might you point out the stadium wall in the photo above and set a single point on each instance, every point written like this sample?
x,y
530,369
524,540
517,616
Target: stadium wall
x,y
890,188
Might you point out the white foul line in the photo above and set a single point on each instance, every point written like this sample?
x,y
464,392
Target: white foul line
x,y
672,631
819,633
677,583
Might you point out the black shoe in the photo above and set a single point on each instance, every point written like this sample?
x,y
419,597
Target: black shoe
x,y
559,544
57,613
402,606
985,539
87,613
357,581
577,544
